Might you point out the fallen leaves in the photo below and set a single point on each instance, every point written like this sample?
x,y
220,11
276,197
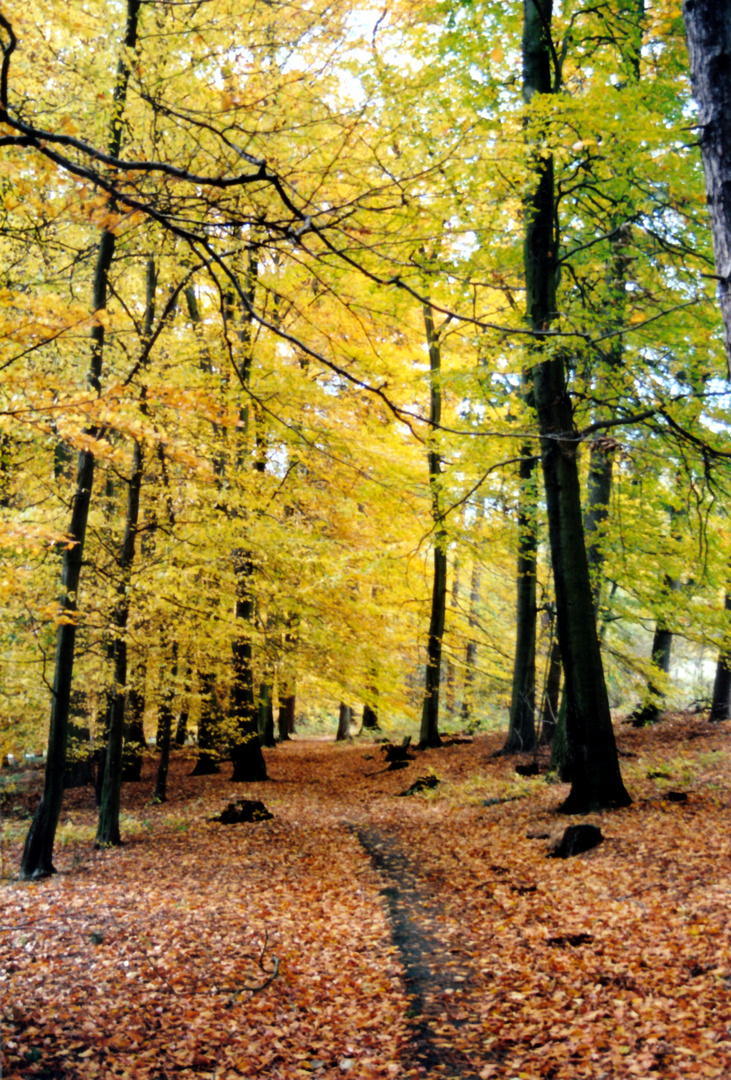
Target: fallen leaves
x,y
615,963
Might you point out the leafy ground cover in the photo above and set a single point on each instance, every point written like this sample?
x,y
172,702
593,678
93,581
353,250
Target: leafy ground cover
x,y
423,936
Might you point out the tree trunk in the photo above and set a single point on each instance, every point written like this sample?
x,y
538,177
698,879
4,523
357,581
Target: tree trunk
x,y
596,778
165,727
551,694
181,728
208,728
450,675
107,833
370,720
522,730
344,721
134,728
285,720
37,860
248,760
721,704
708,29
266,716
429,734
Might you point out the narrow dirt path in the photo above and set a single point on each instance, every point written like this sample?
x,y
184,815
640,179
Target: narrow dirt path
x,y
434,976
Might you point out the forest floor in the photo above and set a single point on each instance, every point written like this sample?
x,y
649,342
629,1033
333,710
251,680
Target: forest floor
x,y
428,936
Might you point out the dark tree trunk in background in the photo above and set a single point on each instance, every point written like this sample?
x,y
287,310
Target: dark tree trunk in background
x,y
285,720
596,778
134,728
429,734
345,717
370,719
551,694
165,723
522,730
248,760
708,29
107,832
208,728
37,860
266,716
181,729
721,704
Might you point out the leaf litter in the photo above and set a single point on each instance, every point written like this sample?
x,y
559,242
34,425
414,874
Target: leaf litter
x,y
423,937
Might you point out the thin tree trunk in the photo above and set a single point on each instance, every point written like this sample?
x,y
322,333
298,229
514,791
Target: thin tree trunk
x,y
450,675
37,860
208,728
551,694
134,729
596,778
522,730
429,734
181,728
266,716
470,662
165,725
721,703
107,833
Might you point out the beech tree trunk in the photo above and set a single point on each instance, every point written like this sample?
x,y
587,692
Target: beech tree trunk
x,y
429,735
248,760
286,718
208,728
345,718
708,29
470,661
522,730
721,703
37,860
165,725
596,778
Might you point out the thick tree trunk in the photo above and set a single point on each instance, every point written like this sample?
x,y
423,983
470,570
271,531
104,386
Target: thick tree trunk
x,y
596,778
345,718
708,29
248,760
429,734
370,719
522,730
37,859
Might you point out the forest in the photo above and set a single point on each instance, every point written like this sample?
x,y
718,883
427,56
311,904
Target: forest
x,y
362,371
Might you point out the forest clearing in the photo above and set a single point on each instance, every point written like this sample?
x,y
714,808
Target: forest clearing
x,y
428,936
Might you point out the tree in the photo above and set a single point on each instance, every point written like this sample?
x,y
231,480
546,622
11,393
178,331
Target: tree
x,y
596,779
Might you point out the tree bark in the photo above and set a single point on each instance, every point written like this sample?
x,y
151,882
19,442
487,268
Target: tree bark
x,y
596,778
470,661
708,30
285,720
